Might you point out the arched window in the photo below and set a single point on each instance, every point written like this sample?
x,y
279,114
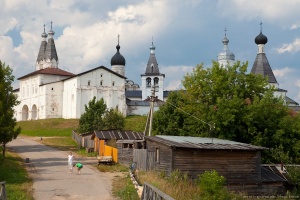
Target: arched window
x,y
148,82
156,81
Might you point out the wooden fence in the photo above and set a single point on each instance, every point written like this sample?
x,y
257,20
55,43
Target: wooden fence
x,y
2,191
83,140
144,159
151,192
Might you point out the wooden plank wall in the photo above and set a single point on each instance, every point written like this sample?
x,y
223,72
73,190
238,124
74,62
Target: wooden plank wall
x,y
125,155
165,156
235,166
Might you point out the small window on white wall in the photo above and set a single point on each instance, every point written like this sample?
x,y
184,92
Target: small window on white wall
x,y
101,82
113,83
89,83
101,75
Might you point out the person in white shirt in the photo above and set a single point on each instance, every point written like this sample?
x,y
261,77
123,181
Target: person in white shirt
x,y
70,162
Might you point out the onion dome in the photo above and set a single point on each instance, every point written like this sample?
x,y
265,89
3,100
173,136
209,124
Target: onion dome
x,y
117,59
226,55
261,39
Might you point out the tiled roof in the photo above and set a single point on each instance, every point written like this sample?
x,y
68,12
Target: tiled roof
x,y
50,71
203,143
118,135
261,66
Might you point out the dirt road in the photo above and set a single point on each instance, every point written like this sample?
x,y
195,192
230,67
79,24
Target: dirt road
x,y
51,177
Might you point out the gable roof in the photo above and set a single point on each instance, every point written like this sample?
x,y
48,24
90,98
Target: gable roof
x,y
50,71
202,143
100,67
118,135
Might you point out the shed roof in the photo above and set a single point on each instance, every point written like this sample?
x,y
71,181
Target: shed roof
x,y
271,173
202,143
118,135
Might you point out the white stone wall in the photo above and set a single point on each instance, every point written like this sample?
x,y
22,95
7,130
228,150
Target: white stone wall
x,y
78,91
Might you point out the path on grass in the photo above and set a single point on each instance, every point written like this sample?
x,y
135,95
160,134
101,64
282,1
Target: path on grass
x,y
51,178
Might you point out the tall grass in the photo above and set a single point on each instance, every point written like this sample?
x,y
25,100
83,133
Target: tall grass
x,y
180,187
135,123
18,183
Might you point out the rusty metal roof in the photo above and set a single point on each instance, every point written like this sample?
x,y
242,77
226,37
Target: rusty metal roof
x,y
202,143
118,135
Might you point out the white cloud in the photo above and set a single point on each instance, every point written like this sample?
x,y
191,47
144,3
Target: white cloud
x,y
297,83
174,75
282,72
294,26
276,11
292,47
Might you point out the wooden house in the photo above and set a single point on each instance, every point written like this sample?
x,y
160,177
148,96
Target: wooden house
x,y
239,163
125,140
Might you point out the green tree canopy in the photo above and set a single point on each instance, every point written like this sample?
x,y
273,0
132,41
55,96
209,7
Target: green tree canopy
x,y
8,100
92,120
227,102
98,117
114,120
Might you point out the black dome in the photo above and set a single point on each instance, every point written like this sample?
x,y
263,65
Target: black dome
x,y
261,39
117,59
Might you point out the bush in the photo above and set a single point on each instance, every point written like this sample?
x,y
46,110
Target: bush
x,y
212,186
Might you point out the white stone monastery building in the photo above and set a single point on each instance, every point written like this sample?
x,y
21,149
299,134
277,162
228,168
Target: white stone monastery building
x,y
50,92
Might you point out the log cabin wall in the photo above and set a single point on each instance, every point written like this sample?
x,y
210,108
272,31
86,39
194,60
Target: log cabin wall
x,y
236,166
163,156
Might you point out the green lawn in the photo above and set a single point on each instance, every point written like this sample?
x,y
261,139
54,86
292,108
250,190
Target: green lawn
x,y
13,172
48,127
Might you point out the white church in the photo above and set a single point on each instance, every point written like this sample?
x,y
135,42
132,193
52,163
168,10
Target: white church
x,y
50,92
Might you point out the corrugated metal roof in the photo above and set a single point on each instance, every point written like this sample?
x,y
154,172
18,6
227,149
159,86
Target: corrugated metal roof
x,y
118,135
202,143
133,93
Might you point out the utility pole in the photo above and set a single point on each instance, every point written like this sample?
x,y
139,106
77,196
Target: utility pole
x,y
153,98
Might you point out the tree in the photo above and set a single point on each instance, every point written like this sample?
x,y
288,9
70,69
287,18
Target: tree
x,y
92,120
113,119
231,104
169,120
8,100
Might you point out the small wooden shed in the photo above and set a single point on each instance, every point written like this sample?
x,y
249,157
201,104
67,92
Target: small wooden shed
x,y
239,163
126,141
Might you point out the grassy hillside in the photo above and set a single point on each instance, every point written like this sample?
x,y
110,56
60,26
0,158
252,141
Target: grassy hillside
x,y
48,127
64,127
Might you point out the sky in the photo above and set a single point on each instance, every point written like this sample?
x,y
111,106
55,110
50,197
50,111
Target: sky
x,y
185,33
